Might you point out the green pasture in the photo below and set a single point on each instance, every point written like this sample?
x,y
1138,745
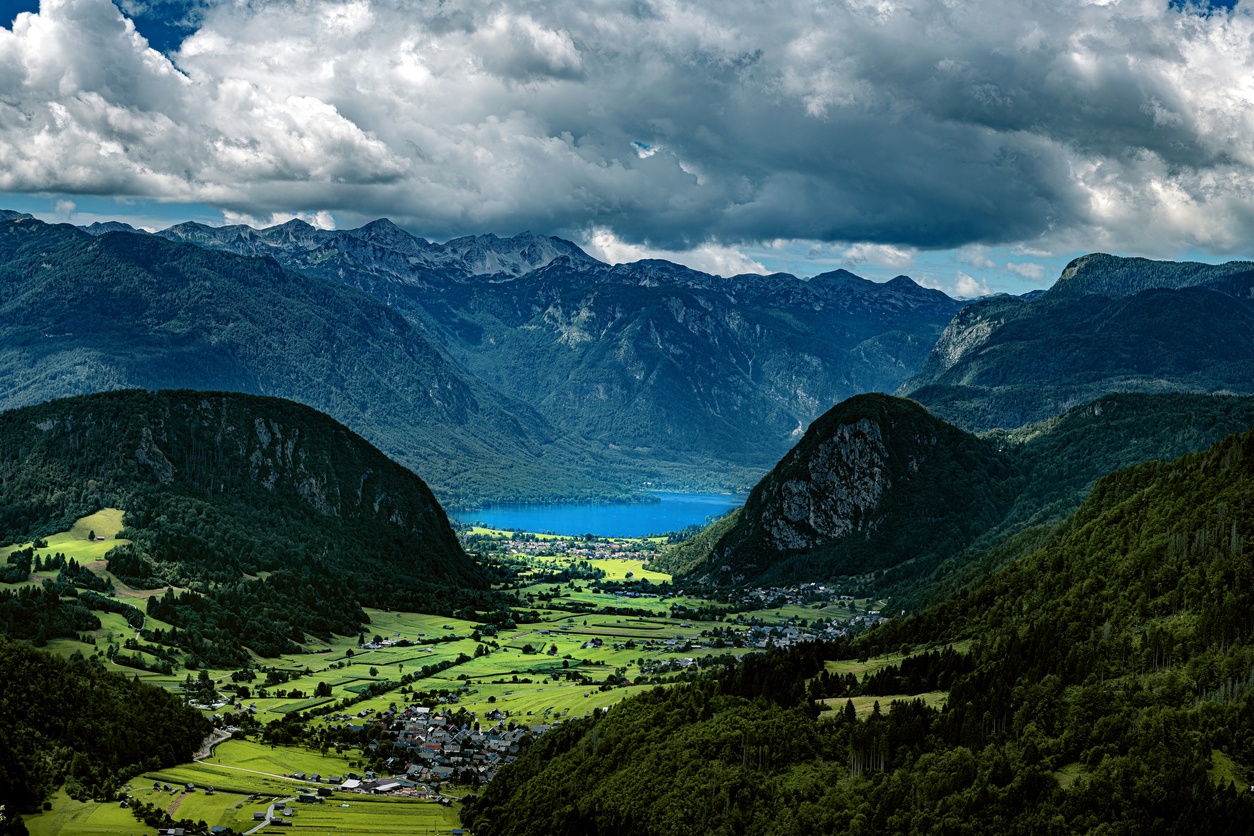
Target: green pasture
x,y
104,523
277,760
371,816
527,703
865,705
83,818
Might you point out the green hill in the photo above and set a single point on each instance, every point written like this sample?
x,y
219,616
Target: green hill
x,y
219,490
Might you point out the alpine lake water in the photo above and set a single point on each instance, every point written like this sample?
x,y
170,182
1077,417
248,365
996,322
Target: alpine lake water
x,y
672,512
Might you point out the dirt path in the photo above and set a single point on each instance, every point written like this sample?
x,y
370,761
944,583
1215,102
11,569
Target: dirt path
x,y
210,743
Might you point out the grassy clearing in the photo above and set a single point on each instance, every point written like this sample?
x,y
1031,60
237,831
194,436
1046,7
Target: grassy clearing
x,y
105,524
1067,775
1224,770
865,705
858,669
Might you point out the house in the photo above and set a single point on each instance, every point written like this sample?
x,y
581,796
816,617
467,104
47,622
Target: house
x,y
259,816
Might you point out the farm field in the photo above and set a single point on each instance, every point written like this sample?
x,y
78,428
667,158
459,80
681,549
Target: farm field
x,y
371,816
555,664
84,818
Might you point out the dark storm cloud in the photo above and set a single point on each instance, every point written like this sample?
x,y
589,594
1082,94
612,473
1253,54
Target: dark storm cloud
x,y
916,124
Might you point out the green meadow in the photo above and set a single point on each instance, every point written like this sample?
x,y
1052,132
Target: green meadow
x,y
538,672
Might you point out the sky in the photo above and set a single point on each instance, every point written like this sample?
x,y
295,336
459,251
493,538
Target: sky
x,y
974,145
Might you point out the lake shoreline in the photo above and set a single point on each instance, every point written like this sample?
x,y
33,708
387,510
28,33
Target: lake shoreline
x,y
667,512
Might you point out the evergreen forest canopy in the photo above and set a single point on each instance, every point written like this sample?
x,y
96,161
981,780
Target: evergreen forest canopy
x,y
1107,688
218,488
68,722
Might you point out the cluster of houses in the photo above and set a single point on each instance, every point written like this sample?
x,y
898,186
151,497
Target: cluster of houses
x,y
439,750
429,749
578,549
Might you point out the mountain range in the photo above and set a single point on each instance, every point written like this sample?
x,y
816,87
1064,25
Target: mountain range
x,y
1108,325
651,360
516,369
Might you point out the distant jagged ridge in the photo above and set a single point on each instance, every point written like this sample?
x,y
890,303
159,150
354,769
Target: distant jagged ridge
x,y
655,363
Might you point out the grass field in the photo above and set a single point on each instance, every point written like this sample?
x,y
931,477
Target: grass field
x,y
865,705
371,816
83,818
105,523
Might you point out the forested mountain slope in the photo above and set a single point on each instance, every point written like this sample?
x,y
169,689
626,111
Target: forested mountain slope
x,y
1108,325
1107,689
883,497
82,313
219,489
67,721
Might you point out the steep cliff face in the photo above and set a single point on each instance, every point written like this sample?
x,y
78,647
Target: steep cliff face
x,y
875,482
834,492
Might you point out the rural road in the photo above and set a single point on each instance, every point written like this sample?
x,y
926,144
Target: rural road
x,y
269,815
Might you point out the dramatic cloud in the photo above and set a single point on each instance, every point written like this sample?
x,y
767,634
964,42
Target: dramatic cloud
x,y
883,127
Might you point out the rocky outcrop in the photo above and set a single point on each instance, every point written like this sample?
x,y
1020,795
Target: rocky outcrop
x,y
876,482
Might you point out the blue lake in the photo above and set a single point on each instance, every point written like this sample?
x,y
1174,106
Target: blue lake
x,y
673,512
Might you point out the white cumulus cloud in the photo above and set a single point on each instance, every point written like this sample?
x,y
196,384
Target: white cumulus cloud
x,y
901,126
